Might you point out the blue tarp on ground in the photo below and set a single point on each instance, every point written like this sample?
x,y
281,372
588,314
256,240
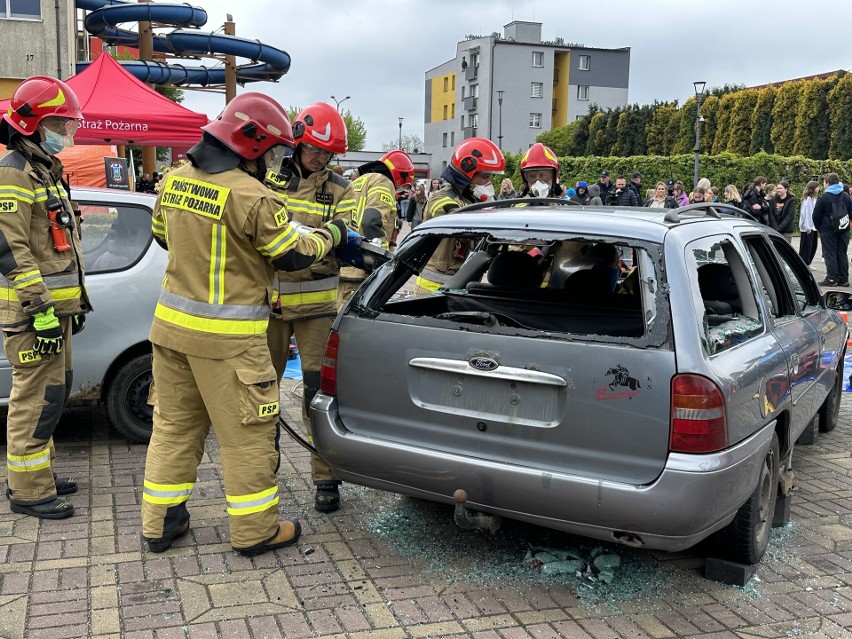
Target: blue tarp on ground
x,y
294,369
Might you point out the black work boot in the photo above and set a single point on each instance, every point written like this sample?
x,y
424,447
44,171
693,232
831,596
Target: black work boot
x,y
55,508
327,499
64,486
288,534
175,526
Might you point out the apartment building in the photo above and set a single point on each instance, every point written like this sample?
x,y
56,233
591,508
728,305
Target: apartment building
x,y
511,87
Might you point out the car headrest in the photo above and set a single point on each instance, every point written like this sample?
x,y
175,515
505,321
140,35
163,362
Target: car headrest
x,y
515,269
716,282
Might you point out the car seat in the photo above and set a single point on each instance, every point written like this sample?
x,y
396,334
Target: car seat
x,y
120,248
718,289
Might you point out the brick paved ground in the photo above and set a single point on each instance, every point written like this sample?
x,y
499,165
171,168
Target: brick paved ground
x,y
387,567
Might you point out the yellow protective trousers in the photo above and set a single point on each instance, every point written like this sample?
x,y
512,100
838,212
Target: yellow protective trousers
x,y
239,397
36,401
311,336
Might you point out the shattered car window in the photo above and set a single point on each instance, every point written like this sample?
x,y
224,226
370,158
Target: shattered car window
x,y
548,283
730,314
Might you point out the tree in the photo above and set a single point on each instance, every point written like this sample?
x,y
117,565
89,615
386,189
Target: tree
x,y
561,139
784,117
813,132
685,141
709,130
594,143
355,129
840,113
410,144
723,121
761,122
739,128
658,131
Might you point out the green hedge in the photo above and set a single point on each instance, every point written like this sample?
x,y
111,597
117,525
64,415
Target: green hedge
x,y
721,170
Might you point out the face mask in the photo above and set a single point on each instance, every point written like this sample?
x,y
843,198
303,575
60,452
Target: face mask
x,y
540,189
54,143
483,193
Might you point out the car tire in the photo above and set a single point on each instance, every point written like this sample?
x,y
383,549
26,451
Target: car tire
x,y
127,399
830,409
745,539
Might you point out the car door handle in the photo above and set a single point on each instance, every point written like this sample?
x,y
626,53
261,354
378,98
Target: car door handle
x,y
794,363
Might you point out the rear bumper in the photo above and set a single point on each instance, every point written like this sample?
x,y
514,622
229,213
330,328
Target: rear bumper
x,y
694,496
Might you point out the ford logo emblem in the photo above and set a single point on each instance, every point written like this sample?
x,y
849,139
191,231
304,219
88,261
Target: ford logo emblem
x,y
481,363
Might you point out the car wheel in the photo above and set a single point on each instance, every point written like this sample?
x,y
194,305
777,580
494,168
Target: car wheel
x,y
127,400
744,540
830,408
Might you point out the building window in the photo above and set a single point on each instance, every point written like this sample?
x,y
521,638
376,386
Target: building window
x,y
535,120
583,92
474,120
463,90
28,9
452,138
462,121
453,111
445,111
446,83
444,164
474,90
538,58
445,140
453,87
536,89
585,62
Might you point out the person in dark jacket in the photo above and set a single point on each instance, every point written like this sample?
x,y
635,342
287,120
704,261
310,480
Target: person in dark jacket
x,y
753,200
782,210
605,186
582,194
835,241
623,195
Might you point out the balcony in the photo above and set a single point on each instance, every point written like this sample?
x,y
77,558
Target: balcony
x,y
468,132
470,103
471,72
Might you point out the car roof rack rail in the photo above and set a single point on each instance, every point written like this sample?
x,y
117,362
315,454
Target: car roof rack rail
x,y
519,201
711,209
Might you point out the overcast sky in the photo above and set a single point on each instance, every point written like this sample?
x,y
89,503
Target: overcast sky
x,y
377,51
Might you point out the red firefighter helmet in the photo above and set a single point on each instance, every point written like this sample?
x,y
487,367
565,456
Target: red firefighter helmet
x,y
476,155
251,124
400,166
539,156
320,125
40,97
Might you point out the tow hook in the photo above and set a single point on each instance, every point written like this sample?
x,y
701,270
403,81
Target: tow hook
x,y
471,520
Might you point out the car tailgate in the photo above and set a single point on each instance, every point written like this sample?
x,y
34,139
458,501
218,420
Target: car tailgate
x,y
595,409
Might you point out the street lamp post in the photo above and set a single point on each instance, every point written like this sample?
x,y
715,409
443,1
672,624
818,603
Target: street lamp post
x,y
400,132
500,119
699,93
337,102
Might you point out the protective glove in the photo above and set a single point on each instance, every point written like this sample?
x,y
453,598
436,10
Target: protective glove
x,y
48,333
350,251
338,229
77,323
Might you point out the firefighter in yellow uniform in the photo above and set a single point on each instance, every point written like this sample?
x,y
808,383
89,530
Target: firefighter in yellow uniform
x,y
307,301
42,295
376,191
225,232
468,180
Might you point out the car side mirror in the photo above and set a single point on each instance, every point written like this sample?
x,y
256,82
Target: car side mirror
x,y
838,300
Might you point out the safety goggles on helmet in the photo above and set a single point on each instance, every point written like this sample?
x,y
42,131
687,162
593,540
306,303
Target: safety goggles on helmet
x,y
276,156
537,173
322,154
61,126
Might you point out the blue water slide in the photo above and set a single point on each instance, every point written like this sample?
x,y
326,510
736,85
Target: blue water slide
x,y
269,63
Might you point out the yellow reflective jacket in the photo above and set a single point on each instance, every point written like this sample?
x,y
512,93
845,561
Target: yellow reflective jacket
x,y
313,200
36,276
374,215
443,264
223,231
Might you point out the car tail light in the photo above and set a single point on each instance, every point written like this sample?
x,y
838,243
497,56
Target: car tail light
x,y
698,422
328,369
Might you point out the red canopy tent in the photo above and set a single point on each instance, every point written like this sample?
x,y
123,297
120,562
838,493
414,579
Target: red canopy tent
x,y
119,109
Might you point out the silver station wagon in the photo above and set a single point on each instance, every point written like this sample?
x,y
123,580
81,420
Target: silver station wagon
x,y
124,270
633,375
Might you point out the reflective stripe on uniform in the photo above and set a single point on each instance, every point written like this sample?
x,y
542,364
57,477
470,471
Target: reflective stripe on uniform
x,y
25,279
281,243
41,194
24,195
433,280
157,227
168,494
439,205
325,284
217,264
252,503
213,311
29,463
